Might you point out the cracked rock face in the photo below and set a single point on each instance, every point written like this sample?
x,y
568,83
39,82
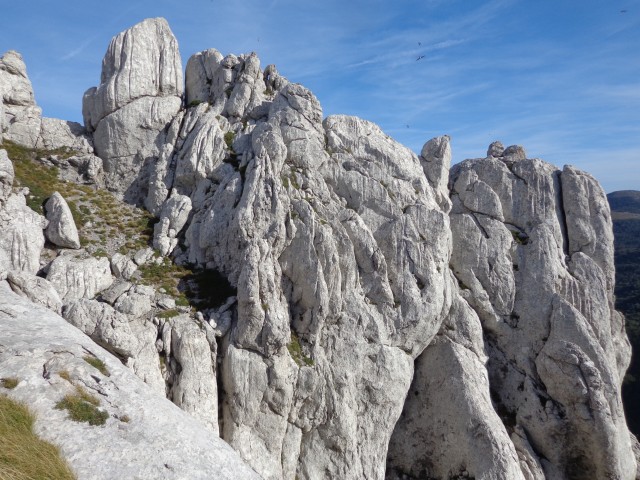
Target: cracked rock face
x,y
139,94
378,314
533,250
21,116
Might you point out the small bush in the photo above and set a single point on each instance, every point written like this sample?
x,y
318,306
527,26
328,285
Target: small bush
x,y
23,455
228,139
9,383
82,407
98,364
295,350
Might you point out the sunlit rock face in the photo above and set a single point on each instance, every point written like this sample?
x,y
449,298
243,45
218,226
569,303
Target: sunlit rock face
x,y
380,314
140,92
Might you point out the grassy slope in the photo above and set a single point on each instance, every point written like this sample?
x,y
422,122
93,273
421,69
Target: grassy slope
x,y
625,206
23,456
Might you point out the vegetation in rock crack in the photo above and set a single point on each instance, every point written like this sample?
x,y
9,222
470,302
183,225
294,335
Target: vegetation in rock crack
x,y
83,407
168,313
228,139
9,383
23,456
295,350
98,364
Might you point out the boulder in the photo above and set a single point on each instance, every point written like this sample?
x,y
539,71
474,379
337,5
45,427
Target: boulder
x,y
6,176
77,276
37,289
21,236
61,230
135,302
122,266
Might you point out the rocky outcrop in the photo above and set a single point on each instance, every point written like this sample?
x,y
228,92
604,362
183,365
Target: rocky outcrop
x,y
47,357
139,94
56,134
62,229
77,276
21,116
37,289
21,235
7,175
533,251
370,312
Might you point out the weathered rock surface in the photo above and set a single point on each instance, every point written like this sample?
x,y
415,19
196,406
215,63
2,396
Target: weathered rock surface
x,y
130,339
139,94
55,134
7,175
372,313
145,436
62,229
37,289
21,116
21,236
533,250
77,276
194,386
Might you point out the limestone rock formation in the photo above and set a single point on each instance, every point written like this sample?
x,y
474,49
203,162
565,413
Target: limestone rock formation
x,y
62,228
21,235
533,249
55,134
144,436
139,94
37,289
77,276
367,312
6,176
21,116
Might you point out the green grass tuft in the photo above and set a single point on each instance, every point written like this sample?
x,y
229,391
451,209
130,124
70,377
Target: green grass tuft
x,y
98,364
168,313
82,407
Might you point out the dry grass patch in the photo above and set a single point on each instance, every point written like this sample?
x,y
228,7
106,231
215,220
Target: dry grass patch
x,y
23,456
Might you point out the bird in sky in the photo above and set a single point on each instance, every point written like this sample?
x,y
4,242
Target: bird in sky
x,y
420,58
623,11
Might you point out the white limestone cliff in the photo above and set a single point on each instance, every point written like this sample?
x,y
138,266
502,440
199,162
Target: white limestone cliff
x,y
388,316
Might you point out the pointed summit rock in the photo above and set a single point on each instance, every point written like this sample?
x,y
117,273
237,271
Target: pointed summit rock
x,y
140,92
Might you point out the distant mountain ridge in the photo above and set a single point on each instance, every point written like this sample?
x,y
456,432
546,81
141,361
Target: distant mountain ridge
x,y
625,212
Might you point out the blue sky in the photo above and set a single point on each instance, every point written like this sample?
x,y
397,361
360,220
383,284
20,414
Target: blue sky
x,y
561,78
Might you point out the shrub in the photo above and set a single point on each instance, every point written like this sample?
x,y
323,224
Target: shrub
x,y
23,455
295,350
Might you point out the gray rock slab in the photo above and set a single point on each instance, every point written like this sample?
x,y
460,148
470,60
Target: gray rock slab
x,y
145,435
